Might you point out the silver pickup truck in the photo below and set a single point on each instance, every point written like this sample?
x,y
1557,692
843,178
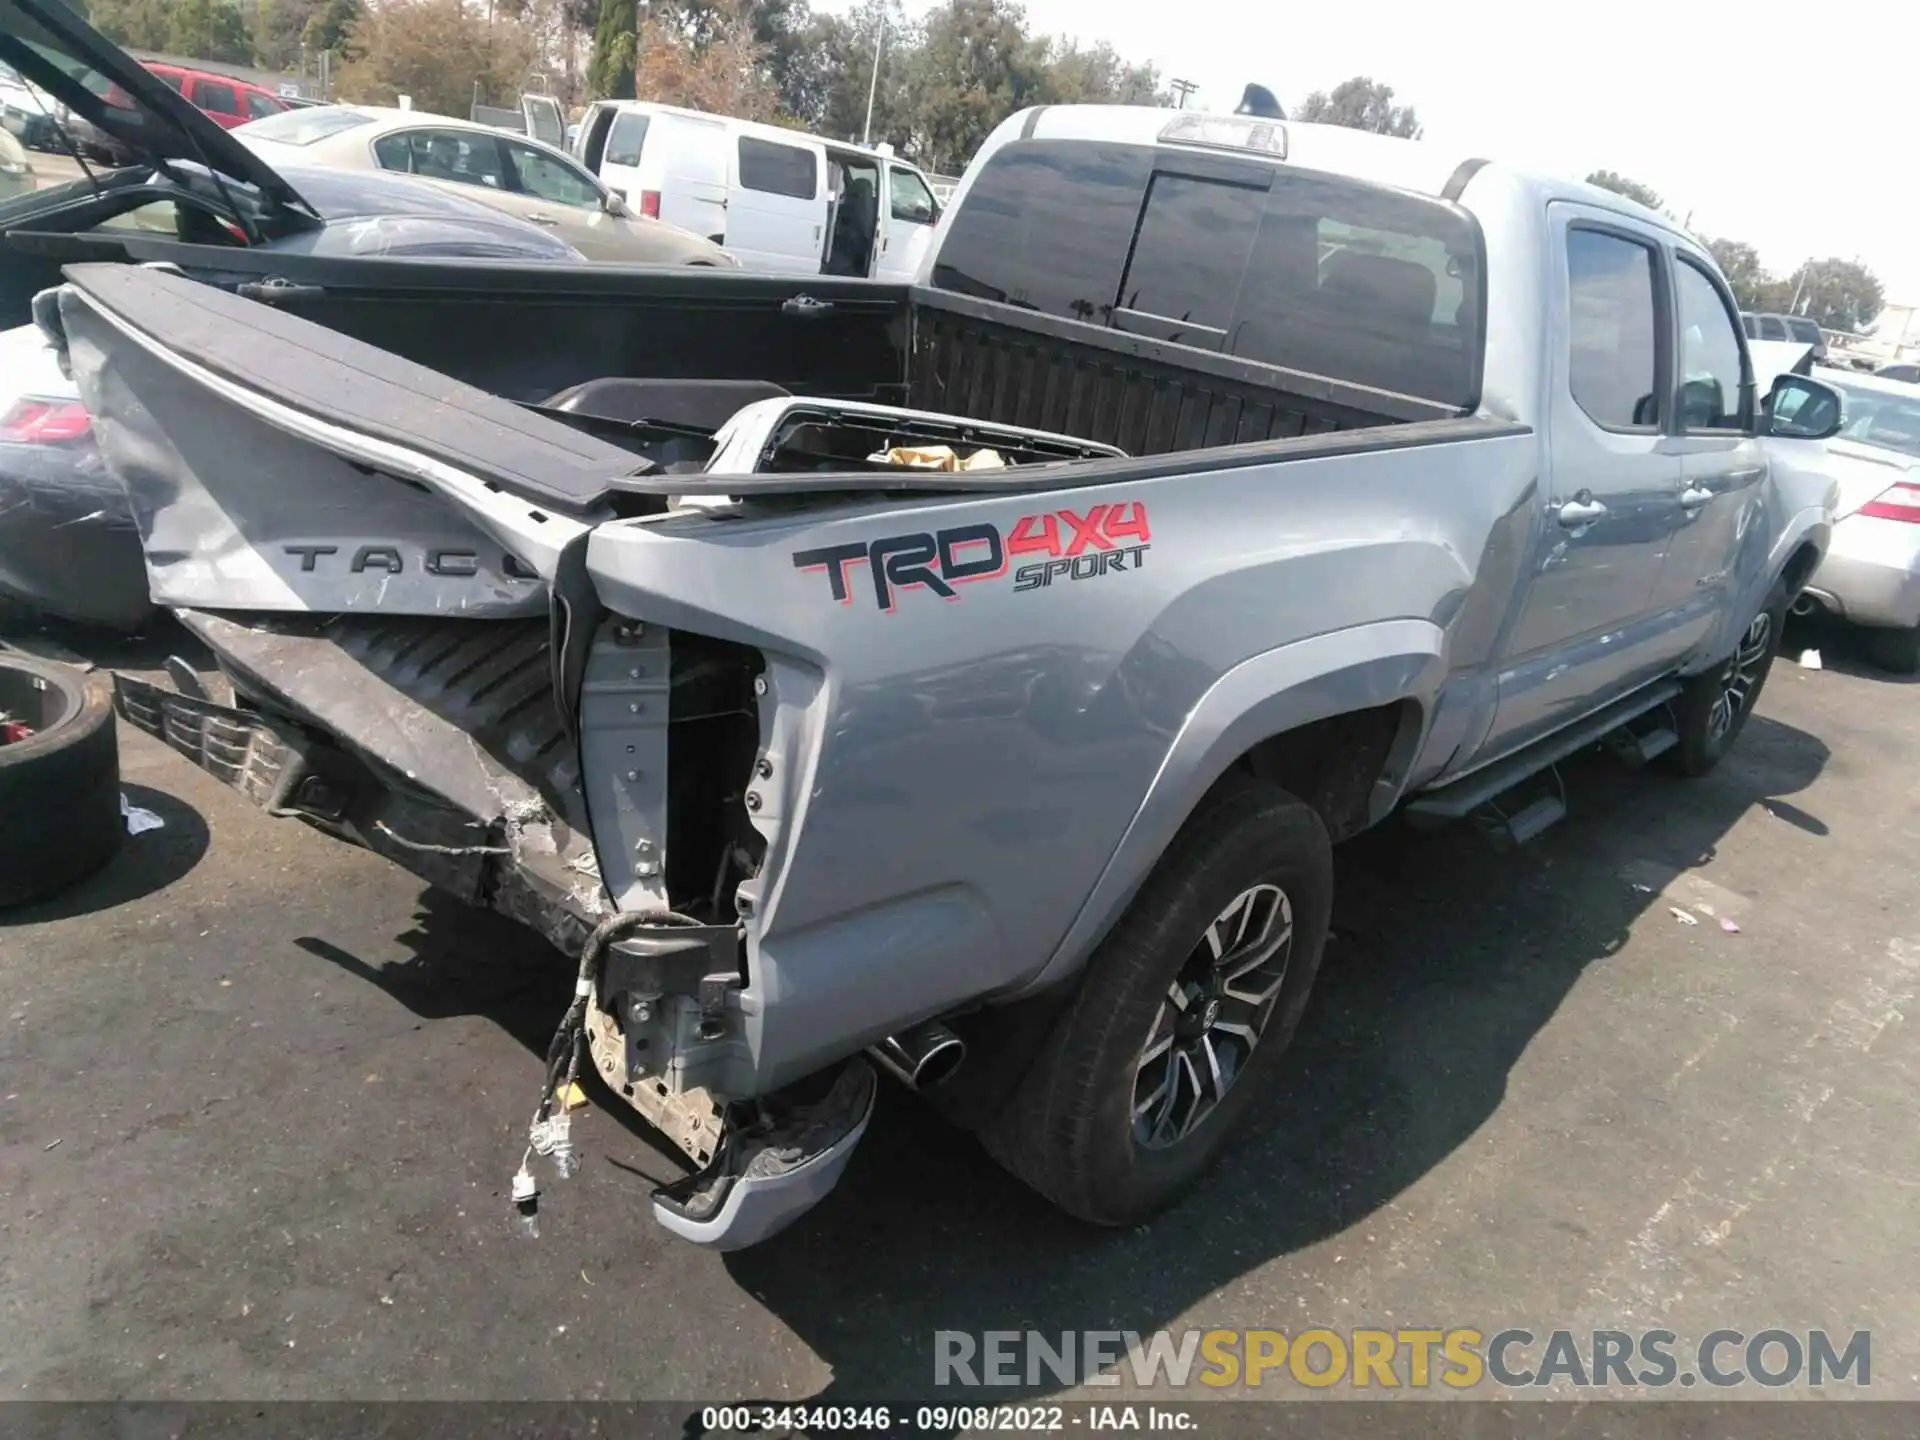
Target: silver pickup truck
x,y
1330,474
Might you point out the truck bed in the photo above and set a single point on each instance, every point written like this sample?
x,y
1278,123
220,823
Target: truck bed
x,y
527,333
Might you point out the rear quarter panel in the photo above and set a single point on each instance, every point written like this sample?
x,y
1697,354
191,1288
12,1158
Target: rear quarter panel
x,y
953,777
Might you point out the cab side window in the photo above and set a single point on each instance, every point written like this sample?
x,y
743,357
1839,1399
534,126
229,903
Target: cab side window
x,y
1713,392
1613,329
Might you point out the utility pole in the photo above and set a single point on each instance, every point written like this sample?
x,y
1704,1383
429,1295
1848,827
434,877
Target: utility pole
x,y
1181,90
873,84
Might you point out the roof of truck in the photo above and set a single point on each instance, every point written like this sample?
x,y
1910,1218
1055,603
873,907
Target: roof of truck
x,y
1416,165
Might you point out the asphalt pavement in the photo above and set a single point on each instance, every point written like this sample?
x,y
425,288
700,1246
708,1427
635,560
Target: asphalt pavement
x,y
261,1095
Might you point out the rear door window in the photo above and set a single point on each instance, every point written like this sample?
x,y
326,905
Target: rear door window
x,y
1613,329
778,169
629,133
1803,330
261,105
1772,327
215,97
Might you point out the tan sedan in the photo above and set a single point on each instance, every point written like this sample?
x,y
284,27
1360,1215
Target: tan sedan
x,y
521,176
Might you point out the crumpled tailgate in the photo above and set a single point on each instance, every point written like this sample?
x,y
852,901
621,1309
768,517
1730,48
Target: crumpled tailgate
x,y
273,464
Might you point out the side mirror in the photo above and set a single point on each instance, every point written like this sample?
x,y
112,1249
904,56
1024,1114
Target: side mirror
x,y
615,206
1799,408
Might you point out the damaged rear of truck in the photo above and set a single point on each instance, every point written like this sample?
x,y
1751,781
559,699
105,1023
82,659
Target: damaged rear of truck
x,y
1019,780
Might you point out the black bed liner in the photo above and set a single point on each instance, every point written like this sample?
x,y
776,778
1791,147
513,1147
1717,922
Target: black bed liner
x,y
332,378
1173,409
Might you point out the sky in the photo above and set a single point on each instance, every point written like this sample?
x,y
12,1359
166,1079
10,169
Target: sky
x,y
1794,127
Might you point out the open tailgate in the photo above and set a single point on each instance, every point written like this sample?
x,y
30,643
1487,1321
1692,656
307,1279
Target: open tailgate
x,y
274,464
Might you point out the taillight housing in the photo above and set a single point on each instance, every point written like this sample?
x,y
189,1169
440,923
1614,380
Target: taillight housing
x,y
650,204
35,420
1897,502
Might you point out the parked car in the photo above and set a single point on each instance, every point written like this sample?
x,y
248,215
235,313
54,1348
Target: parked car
x,y
231,102
1022,776
25,112
514,173
16,171
1871,574
781,200
1768,326
1904,371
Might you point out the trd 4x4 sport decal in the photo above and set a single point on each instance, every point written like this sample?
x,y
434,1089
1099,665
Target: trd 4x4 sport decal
x,y
1108,539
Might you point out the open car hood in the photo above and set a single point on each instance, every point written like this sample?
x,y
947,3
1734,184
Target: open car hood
x,y
56,50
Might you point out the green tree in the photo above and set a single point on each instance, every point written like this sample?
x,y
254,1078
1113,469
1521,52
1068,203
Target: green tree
x,y
1361,104
1632,189
329,25
438,52
615,36
1096,75
208,30
136,24
1746,277
975,66
1837,294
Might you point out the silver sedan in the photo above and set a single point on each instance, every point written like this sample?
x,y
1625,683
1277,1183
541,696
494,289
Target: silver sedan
x,y
521,176
1871,573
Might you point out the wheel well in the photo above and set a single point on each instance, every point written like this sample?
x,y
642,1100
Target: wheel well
x,y
1800,568
1333,764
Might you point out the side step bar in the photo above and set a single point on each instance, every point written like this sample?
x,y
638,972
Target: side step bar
x,y
1471,791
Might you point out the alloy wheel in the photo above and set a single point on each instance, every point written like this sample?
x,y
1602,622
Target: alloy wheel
x,y
1741,678
1214,1013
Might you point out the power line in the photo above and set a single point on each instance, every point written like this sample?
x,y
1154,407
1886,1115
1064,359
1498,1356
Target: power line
x,y
1181,90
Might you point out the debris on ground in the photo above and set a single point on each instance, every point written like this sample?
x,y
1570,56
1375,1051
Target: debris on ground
x,y
138,820
1728,926
1685,917
1809,660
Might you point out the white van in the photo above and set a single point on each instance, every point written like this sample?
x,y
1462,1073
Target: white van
x,y
778,199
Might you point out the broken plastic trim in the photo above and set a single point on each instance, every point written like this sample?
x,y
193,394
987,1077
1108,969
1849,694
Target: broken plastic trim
x,y
760,1182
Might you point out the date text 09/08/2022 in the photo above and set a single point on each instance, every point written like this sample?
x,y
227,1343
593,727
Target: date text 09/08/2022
x,y
943,1419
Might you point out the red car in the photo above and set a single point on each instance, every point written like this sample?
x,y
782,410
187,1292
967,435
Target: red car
x,y
229,101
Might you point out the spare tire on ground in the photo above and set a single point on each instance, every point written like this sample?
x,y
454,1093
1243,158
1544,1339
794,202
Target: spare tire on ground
x,y
59,779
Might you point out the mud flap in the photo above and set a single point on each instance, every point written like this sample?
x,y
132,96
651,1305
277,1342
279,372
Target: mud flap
x,y
762,1180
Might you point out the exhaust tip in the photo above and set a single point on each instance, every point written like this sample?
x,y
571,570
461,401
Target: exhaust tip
x,y
923,1057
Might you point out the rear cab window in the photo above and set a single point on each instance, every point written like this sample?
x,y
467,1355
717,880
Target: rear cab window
x,y
1280,265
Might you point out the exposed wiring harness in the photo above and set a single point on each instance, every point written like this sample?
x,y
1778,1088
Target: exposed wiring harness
x,y
548,1133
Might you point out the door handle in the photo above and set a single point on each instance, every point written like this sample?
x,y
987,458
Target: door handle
x,y
539,219
1694,496
1578,513
805,307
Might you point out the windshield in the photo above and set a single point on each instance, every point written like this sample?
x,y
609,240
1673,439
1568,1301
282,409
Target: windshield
x,y
1879,417
303,127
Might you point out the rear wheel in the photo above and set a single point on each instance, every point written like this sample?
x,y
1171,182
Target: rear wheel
x,y
1183,1015
1713,708
1895,650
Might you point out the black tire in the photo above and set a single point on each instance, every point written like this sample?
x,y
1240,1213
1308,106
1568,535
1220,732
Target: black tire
x,y
1895,650
1070,1130
60,815
1705,735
